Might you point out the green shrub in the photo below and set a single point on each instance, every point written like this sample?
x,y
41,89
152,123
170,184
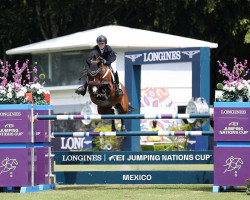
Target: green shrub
x,y
109,143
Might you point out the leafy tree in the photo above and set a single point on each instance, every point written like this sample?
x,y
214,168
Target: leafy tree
x,y
224,22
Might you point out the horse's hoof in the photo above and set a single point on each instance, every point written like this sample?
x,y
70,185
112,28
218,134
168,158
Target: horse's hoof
x,y
81,90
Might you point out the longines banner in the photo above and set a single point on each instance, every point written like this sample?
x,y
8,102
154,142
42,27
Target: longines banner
x,y
116,157
71,143
157,56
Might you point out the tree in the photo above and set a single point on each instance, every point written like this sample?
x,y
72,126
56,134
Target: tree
x,y
222,22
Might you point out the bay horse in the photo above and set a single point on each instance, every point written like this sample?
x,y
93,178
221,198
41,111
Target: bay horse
x,y
101,89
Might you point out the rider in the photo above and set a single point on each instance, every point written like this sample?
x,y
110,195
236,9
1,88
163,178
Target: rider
x,y
107,57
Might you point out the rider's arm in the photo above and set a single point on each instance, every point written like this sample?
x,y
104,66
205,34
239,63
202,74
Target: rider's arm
x,y
111,57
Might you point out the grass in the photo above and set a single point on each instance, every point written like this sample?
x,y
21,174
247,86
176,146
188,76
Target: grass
x,y
145,192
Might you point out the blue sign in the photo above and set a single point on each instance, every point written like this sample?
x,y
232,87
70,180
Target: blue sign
x,y
162,56
131,158
135,177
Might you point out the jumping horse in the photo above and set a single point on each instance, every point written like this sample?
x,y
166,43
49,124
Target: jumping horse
x,y
101,88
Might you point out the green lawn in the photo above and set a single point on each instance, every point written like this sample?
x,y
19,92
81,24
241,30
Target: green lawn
x,y
137,192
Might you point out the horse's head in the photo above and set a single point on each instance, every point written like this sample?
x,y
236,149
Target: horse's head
x,y
99,77
94,68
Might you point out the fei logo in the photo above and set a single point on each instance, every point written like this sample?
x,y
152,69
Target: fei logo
x,y
191,53
8,165
116,158
133,57
232,164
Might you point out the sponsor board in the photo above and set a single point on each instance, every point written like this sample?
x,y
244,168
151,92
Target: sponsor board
x,y
231,165
154,56
166,157
71,143
232,124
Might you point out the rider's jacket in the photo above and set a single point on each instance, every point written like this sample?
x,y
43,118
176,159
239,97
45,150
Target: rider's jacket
x,y
108,54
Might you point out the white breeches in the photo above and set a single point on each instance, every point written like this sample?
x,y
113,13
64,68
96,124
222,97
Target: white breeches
x,y
113,65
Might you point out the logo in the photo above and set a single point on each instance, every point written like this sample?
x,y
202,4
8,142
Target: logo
x,y
75,143
9,126
116,158
133,57
8,165
190,53
233,164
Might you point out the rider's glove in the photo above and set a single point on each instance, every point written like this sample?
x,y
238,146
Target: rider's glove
x,y
103,61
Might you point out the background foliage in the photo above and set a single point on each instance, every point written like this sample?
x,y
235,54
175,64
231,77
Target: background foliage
x,y
224,22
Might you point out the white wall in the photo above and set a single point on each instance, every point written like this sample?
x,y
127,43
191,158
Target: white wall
x,y
177,77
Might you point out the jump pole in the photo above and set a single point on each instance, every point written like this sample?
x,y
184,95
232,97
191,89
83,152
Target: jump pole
x,y
134,133
123,116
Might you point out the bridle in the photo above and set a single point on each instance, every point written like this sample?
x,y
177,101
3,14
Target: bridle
x,y
99,71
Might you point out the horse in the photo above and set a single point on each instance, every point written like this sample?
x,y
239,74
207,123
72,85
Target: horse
x,y
101,89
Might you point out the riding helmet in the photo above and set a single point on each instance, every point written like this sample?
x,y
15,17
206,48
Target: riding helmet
x,y
101,39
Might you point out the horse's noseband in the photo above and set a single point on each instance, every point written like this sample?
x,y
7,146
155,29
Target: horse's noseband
x,y
94,73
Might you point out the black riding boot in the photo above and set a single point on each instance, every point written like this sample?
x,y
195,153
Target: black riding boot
x,y
118,91
82,89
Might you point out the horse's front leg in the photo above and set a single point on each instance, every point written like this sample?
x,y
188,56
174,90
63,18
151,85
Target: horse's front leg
x,y
113,125
107,110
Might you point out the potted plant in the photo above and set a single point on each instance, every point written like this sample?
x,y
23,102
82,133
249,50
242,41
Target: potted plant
x,y
234,88
17,87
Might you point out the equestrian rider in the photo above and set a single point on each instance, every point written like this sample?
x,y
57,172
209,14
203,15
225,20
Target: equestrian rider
x,y
107,57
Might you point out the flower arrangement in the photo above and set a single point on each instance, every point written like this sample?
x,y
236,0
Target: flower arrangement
x,y
235,87
14,91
